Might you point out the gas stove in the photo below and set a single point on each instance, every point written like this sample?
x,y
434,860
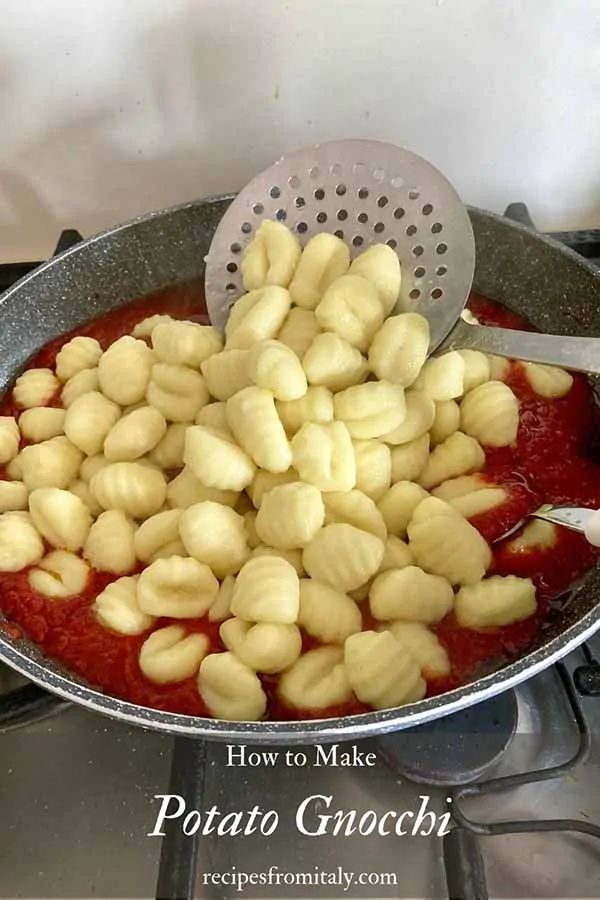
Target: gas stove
x,y
511,786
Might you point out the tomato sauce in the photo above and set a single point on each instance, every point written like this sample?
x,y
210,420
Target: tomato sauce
x,y
555,459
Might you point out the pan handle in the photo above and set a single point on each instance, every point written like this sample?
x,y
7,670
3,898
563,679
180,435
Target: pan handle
x,y
580,354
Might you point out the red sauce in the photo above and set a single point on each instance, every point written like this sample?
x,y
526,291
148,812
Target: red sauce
x,y
555,459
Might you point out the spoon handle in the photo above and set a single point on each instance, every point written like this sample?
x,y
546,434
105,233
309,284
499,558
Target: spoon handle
x,y
581,354
586,521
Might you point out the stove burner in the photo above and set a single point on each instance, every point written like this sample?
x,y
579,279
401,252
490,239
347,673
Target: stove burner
x,y
457,749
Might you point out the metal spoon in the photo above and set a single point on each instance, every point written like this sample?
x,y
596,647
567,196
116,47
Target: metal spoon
x,y
577,518
368,192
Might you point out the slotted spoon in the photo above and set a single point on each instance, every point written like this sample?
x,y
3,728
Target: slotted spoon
x,y
576,518
368,192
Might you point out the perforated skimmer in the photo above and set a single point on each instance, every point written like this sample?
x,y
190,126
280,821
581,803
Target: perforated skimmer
x,y
367,192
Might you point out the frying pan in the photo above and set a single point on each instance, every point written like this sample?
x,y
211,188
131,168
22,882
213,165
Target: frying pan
x,y
529,273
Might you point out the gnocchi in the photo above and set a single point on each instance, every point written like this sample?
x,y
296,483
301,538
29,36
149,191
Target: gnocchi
x,y
76,355
343,556
445,422
135,435
226,373
61,517
85,381
315,406
323,455
331,362
13,496
88,421
351,307
299,330
273,365
124,370
58,575
109,546
215,535
252,416
408,460
398,505
214,416
399,349
10,437
230,689
257,316
264,647
290,515
490,413
380,671
355,508
324,259
370,410
550,382
373,462
460,454
420,415
20,542
137,490
185,343
266,590
264,482
177,392
271,257
328,615
317,680
220,608
158,536
470,495
494,602
35,387
168,453
178,587
381,266
424,646
117,609
40,424
412,595
185,490
443,377
477,369
215,460
169,655
52,463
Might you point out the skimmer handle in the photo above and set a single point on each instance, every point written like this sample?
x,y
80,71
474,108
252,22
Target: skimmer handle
x,y
580,354
577,518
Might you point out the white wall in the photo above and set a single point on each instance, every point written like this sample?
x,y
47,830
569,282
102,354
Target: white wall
x,y
109,108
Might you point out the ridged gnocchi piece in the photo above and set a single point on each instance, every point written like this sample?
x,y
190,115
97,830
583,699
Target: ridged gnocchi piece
x,y
470,495
13,496
494,602
408,460
420,415
271,256
215,535
265,647
537,535
343,556
354,508
221,606
397,554
136,489
178,587
351,307
370,410
110,543
60,517
294,557
52,463
226,373
91,465
85,381
299,330
41,423
185,343
328,615
290,515
14,469
76,355
490,413
410,594
443,377
380,265
477,369
380,671
324,259
446,421
373,468
81,489
135,435
117,608
89,419
444,543
424,646
257,316
145,328
10,437
215,416
399,349
499,367
158,537
548,381
317,680
59,574
20,542
253,418
398,505
267,590
185,490
323,455
216,460
230,689
315,406
168,453
273,365
333,363
460,454
265,481
169,655
124,370
178,392
35,387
